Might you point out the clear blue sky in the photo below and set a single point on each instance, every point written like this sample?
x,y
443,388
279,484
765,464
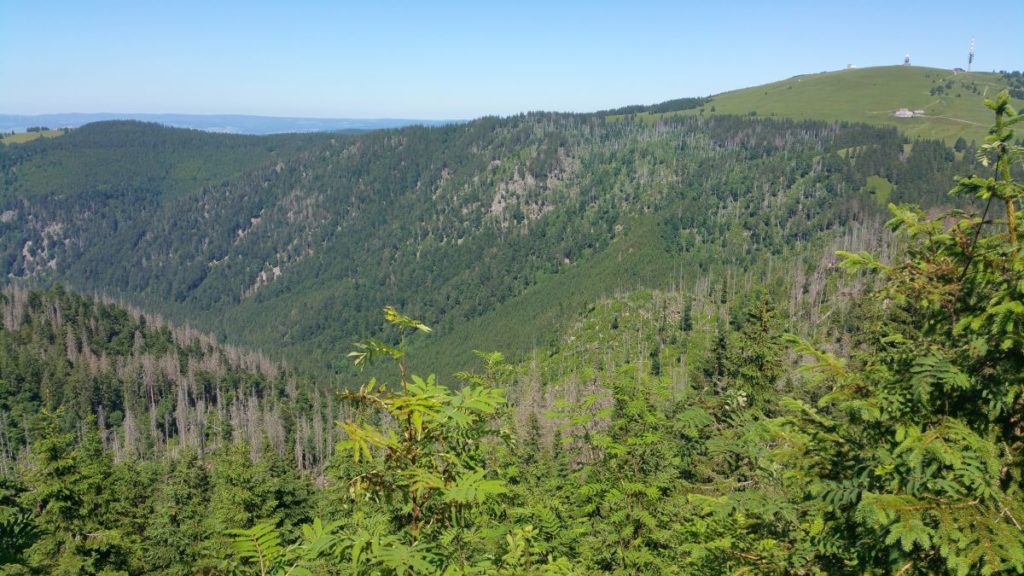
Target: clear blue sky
x,y
423,59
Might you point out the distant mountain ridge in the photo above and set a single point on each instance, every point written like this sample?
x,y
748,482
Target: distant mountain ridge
x,y
225,123
947,99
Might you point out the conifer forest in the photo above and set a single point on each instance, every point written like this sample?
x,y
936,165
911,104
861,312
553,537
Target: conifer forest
x,y
648,340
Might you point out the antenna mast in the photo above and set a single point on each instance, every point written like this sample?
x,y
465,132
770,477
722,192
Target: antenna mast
x,y
970,56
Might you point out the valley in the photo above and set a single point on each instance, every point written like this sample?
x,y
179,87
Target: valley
x,y
714,335
447,222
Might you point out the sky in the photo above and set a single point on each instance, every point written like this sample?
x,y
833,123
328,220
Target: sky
x,y
458,60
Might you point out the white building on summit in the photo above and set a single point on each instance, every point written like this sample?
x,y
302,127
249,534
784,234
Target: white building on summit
x,y
907,113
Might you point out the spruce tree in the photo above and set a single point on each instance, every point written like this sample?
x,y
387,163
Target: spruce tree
x,y
914,457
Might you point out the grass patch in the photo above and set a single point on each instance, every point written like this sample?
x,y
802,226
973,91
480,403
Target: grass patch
x,y
22,137
880,188
950,102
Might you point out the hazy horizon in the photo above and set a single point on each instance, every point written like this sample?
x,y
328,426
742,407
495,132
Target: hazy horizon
x,y
453,61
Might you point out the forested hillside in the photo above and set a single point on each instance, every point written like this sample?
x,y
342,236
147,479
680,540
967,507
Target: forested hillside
x,y
148,389
642,341
664,433
131,446
293,244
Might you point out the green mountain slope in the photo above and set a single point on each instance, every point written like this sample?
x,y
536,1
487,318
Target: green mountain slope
x,y
133,157
492,232
153,388
771,411
873,95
